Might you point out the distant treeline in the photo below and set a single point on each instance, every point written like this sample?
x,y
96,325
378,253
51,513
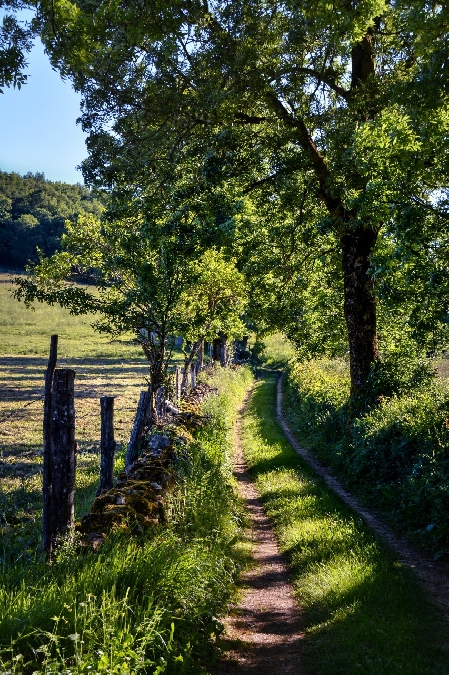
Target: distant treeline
x,y
32,215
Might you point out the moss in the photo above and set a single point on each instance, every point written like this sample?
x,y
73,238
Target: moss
x,y
135,504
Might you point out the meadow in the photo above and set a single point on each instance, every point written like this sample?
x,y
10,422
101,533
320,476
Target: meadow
x,y
103,367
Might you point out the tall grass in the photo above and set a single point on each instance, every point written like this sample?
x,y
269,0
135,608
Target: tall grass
x,y
363,612
138,606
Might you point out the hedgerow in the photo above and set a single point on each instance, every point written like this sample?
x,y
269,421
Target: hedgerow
x,y
395,454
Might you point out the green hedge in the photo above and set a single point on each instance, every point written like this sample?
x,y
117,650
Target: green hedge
x,y
395,455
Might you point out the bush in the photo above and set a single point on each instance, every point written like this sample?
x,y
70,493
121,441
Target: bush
x,y
397,374
399,452
319,392
395,455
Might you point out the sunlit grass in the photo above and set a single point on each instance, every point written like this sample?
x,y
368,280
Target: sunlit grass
x,y
278,350
363,612
146,606
27,331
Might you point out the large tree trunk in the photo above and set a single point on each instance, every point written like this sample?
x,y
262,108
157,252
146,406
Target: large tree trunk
x,y
359,308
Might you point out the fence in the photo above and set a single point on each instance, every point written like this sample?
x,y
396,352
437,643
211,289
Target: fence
x,y
60,445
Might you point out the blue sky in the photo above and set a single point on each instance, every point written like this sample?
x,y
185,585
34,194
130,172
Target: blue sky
x,y
38,130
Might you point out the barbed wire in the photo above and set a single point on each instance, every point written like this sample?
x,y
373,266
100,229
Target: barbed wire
x,y
18,411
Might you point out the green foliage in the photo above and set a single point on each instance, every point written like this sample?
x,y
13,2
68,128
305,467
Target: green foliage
x,y
320,406
361,610
398,374
395,453
214,300
136,607
285,134
16,40
149,279
33,212
398,452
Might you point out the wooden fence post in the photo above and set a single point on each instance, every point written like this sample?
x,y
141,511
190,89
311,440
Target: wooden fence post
x,y
178,383
200,361
160,403
63,452
107,444
144,407
46,477
193,375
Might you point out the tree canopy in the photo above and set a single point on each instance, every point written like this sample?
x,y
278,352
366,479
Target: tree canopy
x,y
16,40
310,139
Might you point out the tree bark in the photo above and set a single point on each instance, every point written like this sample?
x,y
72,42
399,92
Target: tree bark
x,y
359,308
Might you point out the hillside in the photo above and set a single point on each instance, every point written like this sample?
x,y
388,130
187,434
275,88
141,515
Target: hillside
x,y
32,215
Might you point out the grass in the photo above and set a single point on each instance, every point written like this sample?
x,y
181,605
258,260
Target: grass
x,y
393,457
277,351
103,367
363,611
146,606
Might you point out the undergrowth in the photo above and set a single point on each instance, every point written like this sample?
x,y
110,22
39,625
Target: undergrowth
x,y
363,612
394,455
138,606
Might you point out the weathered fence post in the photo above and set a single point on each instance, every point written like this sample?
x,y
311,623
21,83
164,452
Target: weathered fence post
x,y
192,375
46,477
160,403
63,452
200,361
144,407
107,444
178,383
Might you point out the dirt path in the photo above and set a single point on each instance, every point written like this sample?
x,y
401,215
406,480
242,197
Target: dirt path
x,y
433,576
263,632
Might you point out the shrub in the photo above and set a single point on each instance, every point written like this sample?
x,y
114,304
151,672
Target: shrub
x,y
396,454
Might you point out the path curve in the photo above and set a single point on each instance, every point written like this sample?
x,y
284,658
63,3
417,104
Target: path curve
x,y
433,576
263,632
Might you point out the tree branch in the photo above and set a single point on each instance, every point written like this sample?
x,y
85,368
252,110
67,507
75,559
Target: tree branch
x,y
314,156
322,77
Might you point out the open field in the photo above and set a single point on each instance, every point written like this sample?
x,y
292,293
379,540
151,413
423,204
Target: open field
x,y
103,367
27,331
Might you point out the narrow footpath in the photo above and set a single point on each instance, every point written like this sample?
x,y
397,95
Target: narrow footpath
x,y
263,632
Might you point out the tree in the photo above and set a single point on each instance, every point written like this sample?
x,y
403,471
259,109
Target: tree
x,y
16,40
212,305
257,93
32,215
144,282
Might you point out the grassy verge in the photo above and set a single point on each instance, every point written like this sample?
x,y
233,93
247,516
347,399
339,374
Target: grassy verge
x,y
393,456
363,612
137,606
